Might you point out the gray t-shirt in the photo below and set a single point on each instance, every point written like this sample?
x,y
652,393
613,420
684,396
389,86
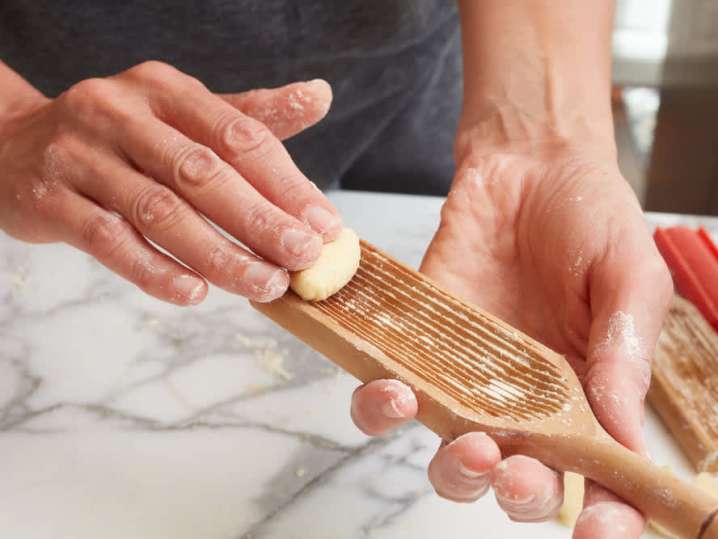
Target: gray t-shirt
x,y
394,66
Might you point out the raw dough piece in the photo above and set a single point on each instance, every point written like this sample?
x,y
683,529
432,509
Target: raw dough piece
x,y
334,268
572,499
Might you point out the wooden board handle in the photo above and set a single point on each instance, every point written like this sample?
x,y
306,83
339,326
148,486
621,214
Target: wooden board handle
x,y
684,509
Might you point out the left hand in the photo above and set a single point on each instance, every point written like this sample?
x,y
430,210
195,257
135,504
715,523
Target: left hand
x,y
553,241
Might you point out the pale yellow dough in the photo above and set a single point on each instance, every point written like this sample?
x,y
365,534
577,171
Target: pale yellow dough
x,y
572,499
334,268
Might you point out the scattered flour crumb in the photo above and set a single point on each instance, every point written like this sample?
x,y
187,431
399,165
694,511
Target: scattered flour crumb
x,y
297,99
272,361
20,278
577,266
152,323
267,353
253,389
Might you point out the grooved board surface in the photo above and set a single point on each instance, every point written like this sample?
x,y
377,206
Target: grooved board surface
x,y
684,390
481,363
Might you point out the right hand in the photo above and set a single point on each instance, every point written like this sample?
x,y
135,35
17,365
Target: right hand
x,y
145,156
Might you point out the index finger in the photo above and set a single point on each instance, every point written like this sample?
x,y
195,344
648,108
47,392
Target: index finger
x,y
252,149
286,110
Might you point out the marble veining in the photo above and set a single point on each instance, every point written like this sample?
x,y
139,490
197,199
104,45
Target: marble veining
x,y
121,416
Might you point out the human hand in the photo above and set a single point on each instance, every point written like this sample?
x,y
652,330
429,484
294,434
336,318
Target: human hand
x,y
552,241
145,156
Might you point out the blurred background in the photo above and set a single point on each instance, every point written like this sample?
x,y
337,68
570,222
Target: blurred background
x,y
665,102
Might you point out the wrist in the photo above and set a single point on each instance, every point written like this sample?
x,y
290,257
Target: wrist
x,y
542,80
505,128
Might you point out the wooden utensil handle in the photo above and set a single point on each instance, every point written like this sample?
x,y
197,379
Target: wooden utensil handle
x,y
676,505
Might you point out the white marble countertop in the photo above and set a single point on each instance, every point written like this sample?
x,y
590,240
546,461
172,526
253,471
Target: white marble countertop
x,y
123,417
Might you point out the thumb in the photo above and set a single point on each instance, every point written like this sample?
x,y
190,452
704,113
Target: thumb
x,y
286,110
630,296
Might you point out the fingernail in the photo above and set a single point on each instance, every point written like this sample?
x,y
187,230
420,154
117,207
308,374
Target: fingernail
x,y
392,409
469,473
267,282
320,219
513,502
320,86
303,245
318,83
527,503
189,287
504,487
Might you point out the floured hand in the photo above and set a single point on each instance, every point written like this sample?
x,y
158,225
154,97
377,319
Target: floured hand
x,y
554,243
114,164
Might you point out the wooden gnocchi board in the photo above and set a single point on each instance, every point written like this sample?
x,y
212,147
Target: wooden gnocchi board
x,y
684,388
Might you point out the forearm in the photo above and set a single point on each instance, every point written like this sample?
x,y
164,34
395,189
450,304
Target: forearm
x,y
16,94
537,70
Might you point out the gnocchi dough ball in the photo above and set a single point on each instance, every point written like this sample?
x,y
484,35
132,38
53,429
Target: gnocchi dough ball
x,y
335,267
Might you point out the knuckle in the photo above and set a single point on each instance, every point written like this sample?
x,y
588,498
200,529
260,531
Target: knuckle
x,y
294,187
89,99
142,272
219,265
258,216
194,81
103,235
153,70
87,90
199,167
158,207
162,76
242,135
226,266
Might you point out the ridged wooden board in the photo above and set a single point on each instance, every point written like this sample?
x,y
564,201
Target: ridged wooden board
x,y
469,356
472,372
684,389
